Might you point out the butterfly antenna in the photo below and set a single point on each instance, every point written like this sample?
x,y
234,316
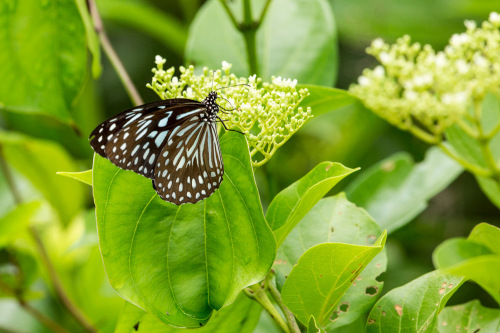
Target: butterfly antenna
x,y
236,85
224,109
213,76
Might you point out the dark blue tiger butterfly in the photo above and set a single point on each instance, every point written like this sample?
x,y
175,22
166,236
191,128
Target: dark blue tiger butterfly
x,y
174,142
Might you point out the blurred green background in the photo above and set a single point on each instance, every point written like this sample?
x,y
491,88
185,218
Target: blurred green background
x,y
139,30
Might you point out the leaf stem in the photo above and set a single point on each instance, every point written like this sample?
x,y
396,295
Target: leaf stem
x,y
230,14
112,56
292,323
8,178
258,294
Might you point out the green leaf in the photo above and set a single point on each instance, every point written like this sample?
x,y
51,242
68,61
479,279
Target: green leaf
x,y
396,190
326,99
161,25
322,276
38,161
454,251
181,262
470,317
415,306
335,219
490,188
484,270
16,221
43,56
92,38
83,176
296,40
241,316
291,204
486,234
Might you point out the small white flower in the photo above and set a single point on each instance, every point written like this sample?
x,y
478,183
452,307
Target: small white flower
x,y
379,72
462,66
378,43
440,60
471,25
459,39
422,80
385,58
226,66
159,60
494,18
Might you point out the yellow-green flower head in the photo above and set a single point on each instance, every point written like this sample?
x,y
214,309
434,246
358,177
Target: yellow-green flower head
x,y
267,113
414,82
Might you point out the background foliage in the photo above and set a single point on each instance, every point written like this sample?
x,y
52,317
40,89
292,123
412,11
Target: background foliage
x,y
56,87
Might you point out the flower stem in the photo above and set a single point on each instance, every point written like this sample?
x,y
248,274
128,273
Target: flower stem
x,y
258,294
466,164
112,56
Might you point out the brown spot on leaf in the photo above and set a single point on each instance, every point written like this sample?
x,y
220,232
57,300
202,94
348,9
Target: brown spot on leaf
x,y
328,167
371,321
388,166
370,239
441,291
383,313
399,309
450,286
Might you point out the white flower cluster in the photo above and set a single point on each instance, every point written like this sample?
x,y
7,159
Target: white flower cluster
x,y
417,86
267,113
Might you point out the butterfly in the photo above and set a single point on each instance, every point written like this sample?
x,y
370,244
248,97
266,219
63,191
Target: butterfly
x,y
174,142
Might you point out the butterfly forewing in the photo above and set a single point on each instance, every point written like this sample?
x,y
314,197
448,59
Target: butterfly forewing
x,y
190,167
173,142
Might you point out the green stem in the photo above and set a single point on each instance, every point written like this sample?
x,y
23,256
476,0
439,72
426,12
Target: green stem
x,y
230,14
258,294
249,31
43,319
292,324
112,56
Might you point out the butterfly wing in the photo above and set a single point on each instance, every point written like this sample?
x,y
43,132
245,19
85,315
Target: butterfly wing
x,y
190,167
133,139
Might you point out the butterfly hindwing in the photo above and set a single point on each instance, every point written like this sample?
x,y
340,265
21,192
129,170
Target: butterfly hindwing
x,y
190,167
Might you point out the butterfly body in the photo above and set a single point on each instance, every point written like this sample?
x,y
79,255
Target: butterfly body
x,y
174,142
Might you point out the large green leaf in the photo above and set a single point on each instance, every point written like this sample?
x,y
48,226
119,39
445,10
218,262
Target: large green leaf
x,y
241,316
291,204
38,161
297,40
181,262
335,219
469,317
396,190
44,59
415,306
322,276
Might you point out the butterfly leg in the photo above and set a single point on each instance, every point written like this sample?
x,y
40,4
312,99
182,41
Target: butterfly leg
x,y
227,129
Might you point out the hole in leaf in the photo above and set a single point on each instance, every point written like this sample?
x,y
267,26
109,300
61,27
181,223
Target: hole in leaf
x,y
344,307
136,326
371,290
334,316
332,229
381,277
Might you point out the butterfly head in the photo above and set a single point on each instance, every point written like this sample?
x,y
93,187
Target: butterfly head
x,y
210,103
